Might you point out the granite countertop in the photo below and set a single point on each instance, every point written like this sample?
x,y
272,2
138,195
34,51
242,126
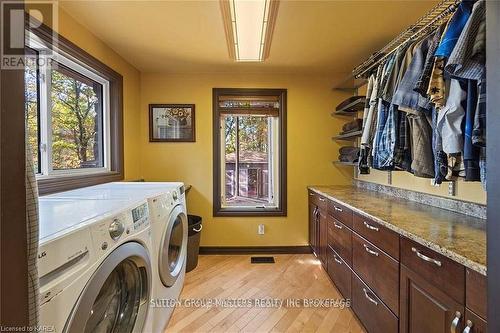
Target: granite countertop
x,y
457,236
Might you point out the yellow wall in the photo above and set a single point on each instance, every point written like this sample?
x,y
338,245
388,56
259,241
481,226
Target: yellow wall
x,y
472,191
81,36
310,151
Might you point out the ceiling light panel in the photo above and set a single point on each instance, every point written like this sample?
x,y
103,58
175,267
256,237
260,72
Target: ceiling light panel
x,y
248,27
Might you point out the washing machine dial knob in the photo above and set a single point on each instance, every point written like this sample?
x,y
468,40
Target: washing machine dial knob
x,y
174,195
116,229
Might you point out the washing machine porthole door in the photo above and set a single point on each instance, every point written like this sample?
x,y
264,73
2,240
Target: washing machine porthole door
x,y
173,248
116,297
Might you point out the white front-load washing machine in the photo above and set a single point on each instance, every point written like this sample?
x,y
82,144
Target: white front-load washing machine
x,y
169,229
95,265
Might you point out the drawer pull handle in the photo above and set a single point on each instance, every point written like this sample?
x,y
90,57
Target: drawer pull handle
x,y
370,251
336,225
311,194
337,260
322,199
454,323
369,226
338,209
368,297
426,258
468,327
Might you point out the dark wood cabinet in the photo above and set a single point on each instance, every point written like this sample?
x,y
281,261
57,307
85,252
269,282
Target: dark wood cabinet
x,y
371,311
340,213
442,272
395,284
340,239
339,272
426,308
476,292
313,226
376,233
378,270
473,323
323,237
318,226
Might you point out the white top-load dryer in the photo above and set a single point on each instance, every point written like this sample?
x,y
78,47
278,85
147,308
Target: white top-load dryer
x,y
94,265
169,226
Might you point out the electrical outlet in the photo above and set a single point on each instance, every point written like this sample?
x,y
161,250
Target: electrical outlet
x,y
260,230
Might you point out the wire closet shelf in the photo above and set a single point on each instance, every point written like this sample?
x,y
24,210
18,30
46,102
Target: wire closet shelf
x,y
429,22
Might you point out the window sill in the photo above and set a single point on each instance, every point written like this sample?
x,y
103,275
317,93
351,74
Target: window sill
x,y
239,212
48,185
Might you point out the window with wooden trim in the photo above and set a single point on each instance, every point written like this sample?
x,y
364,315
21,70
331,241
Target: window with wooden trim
x,y
73,105
249,152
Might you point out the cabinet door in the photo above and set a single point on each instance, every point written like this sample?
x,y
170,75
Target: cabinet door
x,y
323,237
339,272
474,323
425,308
340,239
313,209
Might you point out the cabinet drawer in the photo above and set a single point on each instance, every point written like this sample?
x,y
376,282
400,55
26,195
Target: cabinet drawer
x,y
475,323
385,239
340,212
339,238
319,200
378,270
440,271
371,311
476,292
340,273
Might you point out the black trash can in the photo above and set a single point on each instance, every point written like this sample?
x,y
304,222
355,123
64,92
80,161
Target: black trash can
x,y
193,246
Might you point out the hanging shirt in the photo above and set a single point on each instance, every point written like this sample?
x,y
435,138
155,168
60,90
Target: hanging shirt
x,y
461,62
405,97
392,80
370,118
479,129
436,88
369,89
455,27
451,117
423,81
422,163
471,152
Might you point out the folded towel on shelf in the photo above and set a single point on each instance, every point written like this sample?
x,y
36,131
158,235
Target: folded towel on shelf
x,y
348,158
349,154
355,125
349,150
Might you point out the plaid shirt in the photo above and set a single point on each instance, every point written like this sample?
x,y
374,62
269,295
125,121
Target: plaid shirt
x,y
479,130
402,150
387,139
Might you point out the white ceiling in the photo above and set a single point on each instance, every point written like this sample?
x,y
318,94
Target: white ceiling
x,y
313,37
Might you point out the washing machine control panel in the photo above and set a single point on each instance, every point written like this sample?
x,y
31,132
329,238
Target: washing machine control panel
x,y
107,233
116,228
140,217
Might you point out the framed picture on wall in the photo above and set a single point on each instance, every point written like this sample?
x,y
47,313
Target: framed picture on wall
x,y
171,123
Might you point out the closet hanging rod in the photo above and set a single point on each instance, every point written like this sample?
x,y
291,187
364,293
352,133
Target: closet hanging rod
x,y
430,20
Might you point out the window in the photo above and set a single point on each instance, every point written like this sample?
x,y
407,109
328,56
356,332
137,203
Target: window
x,y
65,116
73,107
249,152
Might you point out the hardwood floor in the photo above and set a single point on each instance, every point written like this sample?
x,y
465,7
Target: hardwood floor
x,y
233,277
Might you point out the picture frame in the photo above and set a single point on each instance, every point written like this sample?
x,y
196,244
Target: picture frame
x,y
172,123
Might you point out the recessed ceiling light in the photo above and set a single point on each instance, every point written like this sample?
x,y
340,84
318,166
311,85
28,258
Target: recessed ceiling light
x,y
249,26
